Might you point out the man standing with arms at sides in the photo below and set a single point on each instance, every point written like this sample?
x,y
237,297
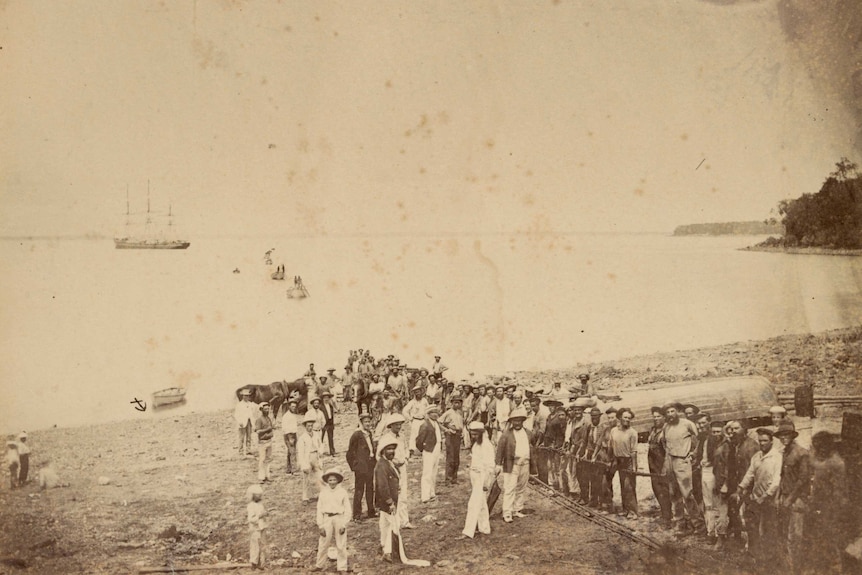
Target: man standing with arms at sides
x,y
245,413
624,447
429,442
482,476
414,413
263,428
513,461
347,383
793,493
452,423
314,410
680,437
705,456
361,459
328,429
289,422
758,489
308,455
394,426
386,496
656,461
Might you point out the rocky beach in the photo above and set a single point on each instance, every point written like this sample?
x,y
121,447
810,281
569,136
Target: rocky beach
x,y
162,492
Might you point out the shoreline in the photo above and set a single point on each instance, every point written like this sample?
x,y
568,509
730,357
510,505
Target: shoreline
x,y
814,251
176,484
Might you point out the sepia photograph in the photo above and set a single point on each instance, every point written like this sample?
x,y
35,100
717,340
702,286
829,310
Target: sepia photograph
x,y
384,287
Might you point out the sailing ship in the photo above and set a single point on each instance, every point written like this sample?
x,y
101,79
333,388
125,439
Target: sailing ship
x,y
149,240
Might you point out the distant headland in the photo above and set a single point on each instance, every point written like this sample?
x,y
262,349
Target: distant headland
x,y
730,229
828,222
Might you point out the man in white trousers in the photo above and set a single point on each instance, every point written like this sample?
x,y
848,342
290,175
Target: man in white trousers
x,y
482,476
414,413
513,461
429,442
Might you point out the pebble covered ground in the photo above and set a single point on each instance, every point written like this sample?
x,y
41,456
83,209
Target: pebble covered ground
x,y
175,489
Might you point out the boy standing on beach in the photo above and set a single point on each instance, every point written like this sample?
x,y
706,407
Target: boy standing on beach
x,y
308,449
256,525
333,510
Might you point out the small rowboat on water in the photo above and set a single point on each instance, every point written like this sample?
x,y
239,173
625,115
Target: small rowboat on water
x,y
169,396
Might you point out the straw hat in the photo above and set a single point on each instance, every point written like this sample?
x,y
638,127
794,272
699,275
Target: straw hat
x,y
518,412
476,426
309,418
333,471
394,418
384,443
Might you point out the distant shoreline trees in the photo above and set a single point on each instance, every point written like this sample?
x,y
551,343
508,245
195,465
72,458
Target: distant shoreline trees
x,y
831,218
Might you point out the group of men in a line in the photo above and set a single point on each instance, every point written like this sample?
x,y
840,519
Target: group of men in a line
x,y
784,503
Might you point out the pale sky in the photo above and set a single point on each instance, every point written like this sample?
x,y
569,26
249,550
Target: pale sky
x,y
404,117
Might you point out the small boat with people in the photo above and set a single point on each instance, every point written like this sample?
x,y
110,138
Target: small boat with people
x,y
278,274
169,396
298,290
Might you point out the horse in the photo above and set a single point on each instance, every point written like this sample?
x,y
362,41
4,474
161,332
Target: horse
x,y
273,393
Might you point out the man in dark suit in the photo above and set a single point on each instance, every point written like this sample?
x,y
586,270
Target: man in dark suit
x,y
386,494
360,458
329,416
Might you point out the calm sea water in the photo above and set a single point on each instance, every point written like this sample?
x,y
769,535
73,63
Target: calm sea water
x,y
88,328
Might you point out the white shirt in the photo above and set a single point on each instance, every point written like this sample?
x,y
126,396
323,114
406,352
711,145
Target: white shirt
x,y
415,409
305,446
522,444
288,422
319,419
245,412
437,434
482,456
332,501
504,407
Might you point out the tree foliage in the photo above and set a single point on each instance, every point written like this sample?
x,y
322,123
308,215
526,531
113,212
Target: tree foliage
x,y
831,218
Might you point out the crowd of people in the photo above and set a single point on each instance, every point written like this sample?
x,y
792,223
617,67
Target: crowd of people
x,y
755,490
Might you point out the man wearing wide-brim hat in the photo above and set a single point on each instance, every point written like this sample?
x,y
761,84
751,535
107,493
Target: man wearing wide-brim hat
x,y
452,423
394,424
308,456
328,429
333,508
680,436
792,491
387,497
513,461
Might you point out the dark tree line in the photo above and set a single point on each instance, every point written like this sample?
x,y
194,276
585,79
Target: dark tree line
x,y
831,218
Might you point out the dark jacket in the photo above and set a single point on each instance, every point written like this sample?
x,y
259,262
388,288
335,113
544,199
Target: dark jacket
x,y
555,429
709,442
360,460
738,460
505,454
385,485
426,439
655,452
795,475
328,414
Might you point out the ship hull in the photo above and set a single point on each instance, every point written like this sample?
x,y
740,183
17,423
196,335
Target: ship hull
x,y
139,245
